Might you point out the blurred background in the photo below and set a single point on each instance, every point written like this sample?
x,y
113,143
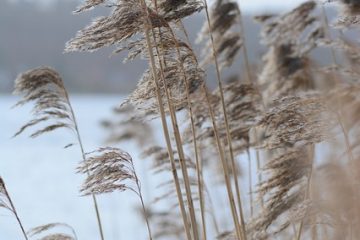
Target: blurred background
x,y
40,174
34,33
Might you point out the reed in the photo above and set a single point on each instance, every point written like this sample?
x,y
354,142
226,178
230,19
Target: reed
x,y
290,111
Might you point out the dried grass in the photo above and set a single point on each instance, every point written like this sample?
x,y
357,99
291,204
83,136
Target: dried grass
x,y
290,116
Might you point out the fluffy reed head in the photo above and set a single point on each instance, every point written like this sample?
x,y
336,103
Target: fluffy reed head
x,y
173,10
286,187
224,15
296,120
3,196
88,5
349,14
127,19
243,104
290,37
109,169
53,231
45,88
177,70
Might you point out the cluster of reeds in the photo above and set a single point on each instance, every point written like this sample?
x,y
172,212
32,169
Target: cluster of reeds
x,y
296,122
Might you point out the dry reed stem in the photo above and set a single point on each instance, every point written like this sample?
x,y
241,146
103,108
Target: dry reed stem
x,y
337,82
254,83
239,232
197,159
237,188
84,159
327,30
12,207
184,170
250,183
111,169
179,148
143,206
308,187
45,86
164,123
175,124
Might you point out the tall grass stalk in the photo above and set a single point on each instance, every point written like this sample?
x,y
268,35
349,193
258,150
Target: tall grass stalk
x,y
337,82
193,131
179,144
164,123
238,229
254,83
12,208
228,135
308,189
137,182
98,217
233,208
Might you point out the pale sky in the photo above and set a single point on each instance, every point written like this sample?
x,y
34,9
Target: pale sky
x,y
246,5
254,5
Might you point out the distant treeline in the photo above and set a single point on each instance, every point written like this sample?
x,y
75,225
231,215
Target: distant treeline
x,y
31,36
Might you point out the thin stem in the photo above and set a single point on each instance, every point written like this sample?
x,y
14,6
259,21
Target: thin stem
x,y
326,26
259,175
201,195
228,135
254,83
184,169
98,217
212,211
179,145
142,203
250,183
193,130
13,209
164,123
239,232
337,99
246,56
346,138
175,124
308,187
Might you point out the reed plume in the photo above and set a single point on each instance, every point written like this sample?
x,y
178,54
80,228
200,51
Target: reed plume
x,y
286,186
126,20
146,22
228,42
50,232
110,169
290,37
349,14
88,5
297,119
292,128
243,104
45,87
